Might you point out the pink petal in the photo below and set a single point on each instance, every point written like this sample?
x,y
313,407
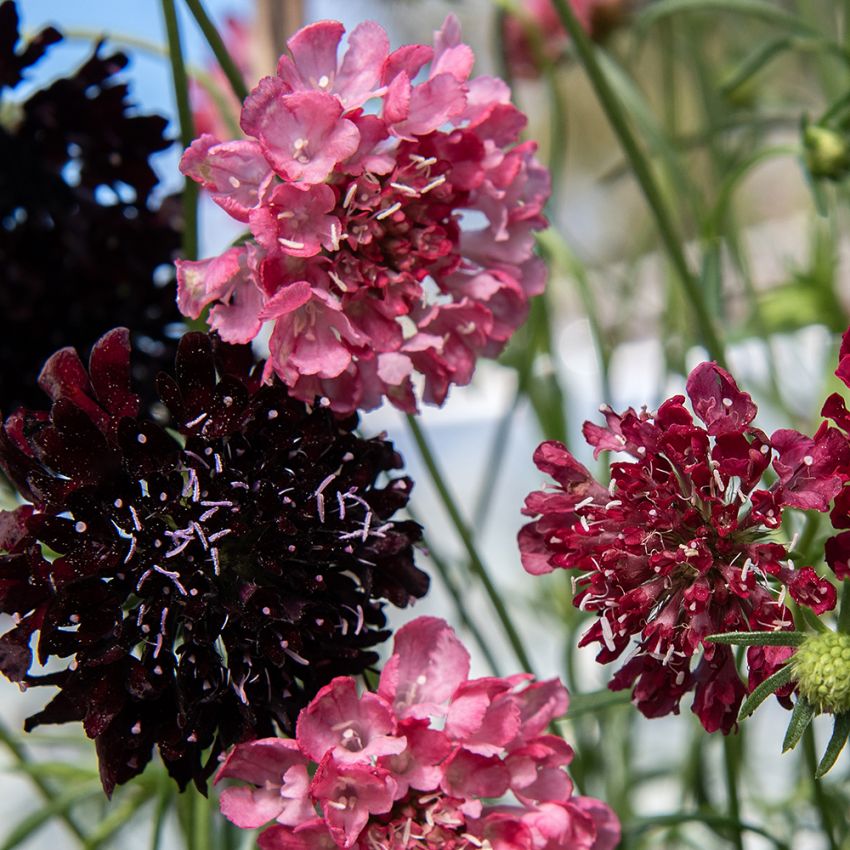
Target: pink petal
x,y
427,665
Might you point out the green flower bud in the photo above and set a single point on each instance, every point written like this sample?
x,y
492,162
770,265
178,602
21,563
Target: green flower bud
x,y
827,152
822,670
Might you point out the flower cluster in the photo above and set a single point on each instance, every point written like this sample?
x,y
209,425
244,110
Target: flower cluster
x,y
676,548
83,244
205,580
392,221
408,766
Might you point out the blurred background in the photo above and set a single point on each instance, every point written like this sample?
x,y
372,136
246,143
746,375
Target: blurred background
x,y
741,108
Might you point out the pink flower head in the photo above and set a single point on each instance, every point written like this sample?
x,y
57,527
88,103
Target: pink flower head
x,y
413,764
394,184
676,548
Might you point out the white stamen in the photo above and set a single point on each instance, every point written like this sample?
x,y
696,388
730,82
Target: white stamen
x,y
584,503
349,195
389,211
290,243
437,181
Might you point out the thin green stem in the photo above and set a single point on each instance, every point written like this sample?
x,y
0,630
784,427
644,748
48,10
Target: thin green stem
x,y
643,173
219,49
456,594
21,758
730,765
475,561
844,610
200,821
187,126
818,797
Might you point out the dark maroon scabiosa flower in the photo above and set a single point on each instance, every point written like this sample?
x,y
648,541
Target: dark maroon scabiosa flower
x,y
81,236
209,577
678,547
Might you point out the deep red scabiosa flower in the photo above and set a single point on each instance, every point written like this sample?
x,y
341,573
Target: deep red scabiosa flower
x,y
408,767
204,580
392,213
678,546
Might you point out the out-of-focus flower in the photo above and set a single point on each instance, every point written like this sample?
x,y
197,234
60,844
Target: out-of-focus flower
x,y
215,108
392,216
205,580
408,767
534,34
677,547
81,238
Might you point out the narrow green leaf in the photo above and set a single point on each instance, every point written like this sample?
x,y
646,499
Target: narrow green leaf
x,y
801,717
581,704
812,620
840,731
844,611
759,638
640,825
764,690
117,818
61,804
762,9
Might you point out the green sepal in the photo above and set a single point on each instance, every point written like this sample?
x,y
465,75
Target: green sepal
x,y
801,717
759,638
840,731
765,689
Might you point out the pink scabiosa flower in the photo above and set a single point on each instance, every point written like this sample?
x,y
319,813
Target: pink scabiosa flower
x,y
409,767
678,546
392,213
204,581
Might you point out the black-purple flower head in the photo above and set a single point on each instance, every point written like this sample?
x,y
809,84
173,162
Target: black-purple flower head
x,y
84,244
204,579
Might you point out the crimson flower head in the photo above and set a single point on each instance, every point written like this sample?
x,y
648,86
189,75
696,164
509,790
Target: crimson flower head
x,y
391,211
202,580
678,546
409,767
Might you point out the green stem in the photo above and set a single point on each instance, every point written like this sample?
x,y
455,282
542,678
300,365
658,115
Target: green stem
x,y
219,49
844,610
819,798
466,538
456,594
730,764
22,759
187,126
643,173
200,821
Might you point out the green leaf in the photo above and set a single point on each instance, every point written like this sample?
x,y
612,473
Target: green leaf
x,y
801,717
117,818
840,731
60,771
812,619
759,638
760,9
765,689
591,703
61,804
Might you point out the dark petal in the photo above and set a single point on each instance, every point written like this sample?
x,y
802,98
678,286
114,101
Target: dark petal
x,y
195,372
146,447
109,367
15,652
13,527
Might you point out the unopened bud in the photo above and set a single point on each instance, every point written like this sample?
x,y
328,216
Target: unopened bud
x,y
827,152
822,671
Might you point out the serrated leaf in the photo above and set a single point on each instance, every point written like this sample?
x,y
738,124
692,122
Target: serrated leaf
x,y
758,638
840,731
765,689
801,717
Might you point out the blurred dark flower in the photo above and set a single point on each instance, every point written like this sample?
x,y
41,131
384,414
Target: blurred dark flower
x,y
206,580
81,240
